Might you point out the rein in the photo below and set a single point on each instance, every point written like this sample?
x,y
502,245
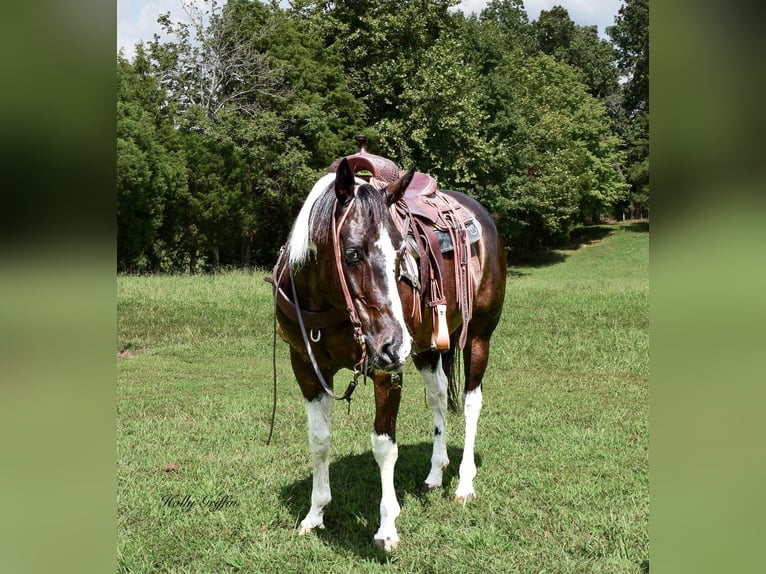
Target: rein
x,y
275,282
317,371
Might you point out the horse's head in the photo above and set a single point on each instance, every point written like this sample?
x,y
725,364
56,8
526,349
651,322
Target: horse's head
x,y
369,249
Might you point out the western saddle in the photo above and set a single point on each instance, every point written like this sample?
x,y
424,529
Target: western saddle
x,y
434,224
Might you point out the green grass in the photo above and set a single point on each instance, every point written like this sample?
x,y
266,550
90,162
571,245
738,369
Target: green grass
x,y
562,449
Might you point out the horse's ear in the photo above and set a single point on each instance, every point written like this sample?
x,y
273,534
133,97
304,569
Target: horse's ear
x,y
394,191
344,182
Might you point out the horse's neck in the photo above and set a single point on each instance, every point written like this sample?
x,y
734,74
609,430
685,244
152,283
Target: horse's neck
x,y
317,290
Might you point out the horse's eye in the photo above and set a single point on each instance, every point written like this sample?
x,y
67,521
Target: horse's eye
x,y
352,255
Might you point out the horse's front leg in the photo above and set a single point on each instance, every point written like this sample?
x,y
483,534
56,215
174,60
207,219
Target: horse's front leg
x,y
318,411
388,394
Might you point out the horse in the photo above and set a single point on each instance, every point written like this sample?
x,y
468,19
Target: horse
x,y
342,303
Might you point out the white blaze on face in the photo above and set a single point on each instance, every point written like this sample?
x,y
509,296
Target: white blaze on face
x,y
386,247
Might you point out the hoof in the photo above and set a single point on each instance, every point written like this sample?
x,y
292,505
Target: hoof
x,y
425,487
386,545
464,498
305,530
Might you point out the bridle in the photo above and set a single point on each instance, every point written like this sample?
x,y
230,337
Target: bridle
x,y
356,323
361,366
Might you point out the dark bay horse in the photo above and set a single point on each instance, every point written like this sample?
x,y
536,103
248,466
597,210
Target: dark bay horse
x,y
342,303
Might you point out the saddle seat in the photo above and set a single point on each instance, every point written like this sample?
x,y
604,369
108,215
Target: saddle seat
x,y
421,187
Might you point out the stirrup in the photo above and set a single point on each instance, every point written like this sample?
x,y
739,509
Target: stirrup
x,y
442,332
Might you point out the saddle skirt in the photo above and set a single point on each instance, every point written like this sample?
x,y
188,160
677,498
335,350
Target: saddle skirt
x,y
434,224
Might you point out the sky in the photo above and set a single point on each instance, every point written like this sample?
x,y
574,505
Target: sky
x,y
137,19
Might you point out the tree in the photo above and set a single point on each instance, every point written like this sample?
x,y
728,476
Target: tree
x,y
579,46
215,60
438,122
595,58
381,43
511,18
554,31
151,170
319,111
227,94
631,37
555,156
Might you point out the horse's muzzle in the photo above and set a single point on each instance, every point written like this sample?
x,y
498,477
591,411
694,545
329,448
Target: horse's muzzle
x,y
391,356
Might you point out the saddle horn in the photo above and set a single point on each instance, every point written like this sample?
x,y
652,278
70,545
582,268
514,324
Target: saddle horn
x,y
361,141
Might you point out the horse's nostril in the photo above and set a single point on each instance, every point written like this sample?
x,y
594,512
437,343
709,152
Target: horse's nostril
x,y
387,352
391,354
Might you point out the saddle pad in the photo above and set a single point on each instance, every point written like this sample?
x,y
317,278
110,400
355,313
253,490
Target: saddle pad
x,y
472,226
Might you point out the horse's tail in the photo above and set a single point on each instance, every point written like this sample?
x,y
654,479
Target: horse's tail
x,y
451,366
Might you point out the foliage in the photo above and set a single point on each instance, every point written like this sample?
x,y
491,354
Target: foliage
x,y
215,61
223,128
381,44
151,170
558,36
510,17
554,158
631,38
243,137
439,119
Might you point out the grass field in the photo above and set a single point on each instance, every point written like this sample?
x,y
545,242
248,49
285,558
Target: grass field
x,y
562,450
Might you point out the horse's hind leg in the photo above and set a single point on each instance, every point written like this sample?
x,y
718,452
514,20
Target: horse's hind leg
x,y
387,397
430,367
475,355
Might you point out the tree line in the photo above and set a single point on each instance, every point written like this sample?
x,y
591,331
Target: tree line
x,y
223,128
